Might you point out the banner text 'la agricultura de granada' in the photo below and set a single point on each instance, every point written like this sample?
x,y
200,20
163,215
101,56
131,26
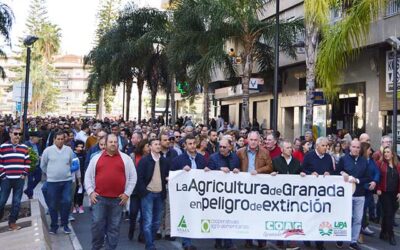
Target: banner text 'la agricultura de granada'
x,y
242,206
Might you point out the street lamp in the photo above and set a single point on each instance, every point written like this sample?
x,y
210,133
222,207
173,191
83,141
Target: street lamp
x,y
28,42
395,43
276,70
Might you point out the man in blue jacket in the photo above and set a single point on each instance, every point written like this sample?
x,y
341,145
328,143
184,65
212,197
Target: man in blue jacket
x,y
188,160
354,168
151,187
226,161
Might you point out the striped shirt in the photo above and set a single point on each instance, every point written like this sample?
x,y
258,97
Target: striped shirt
x,y
14,160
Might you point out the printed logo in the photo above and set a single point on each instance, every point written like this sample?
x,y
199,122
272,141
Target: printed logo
x,y
182,226
340,228
205,226
325,229
292,232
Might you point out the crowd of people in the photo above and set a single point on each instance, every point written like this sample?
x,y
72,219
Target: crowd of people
x,y
123,167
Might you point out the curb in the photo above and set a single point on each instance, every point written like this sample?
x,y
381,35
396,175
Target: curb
x,y
74,239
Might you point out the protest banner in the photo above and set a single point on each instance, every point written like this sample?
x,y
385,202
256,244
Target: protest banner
x,y
242,206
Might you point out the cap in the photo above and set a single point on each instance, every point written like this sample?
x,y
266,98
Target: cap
x,y
34,134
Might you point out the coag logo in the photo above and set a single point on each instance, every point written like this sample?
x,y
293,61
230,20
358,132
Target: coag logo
x,y
283,225
205,226
325,229
182,226
340,224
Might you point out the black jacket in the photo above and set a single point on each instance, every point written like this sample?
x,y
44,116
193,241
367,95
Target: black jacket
x,y
281,167
182,160
145,170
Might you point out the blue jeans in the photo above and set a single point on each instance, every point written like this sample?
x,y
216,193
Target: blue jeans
x,y
17,186
358,210
106,219
59,201
33,179
152,208
44,191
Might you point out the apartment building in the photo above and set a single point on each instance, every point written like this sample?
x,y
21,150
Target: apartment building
x,y
364,102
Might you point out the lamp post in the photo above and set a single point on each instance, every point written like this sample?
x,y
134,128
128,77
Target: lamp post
x,y
276,70
28,42
395,43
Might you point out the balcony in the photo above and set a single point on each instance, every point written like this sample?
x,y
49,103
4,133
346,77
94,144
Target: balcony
x,y
393,8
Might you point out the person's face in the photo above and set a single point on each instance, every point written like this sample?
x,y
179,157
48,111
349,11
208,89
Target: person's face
x,y
190,146
270,142
15,136
35,139
355,148
177,136
115,130
387,142
71,136
79,148
102,144
308,137
123,134
189,131
204,131
253,140
59,141
213,136
387,154
306,147
165,143
297,145
224,147
155,146
322,147
203,144
101,134
287,149
135,139
152,136
112,144
2,125
337,147
240,142
146,149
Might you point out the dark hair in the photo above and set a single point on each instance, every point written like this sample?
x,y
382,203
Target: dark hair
x,y
58,133
140,147
84,126
364,148
189,137
212,130
114,125
79,142
153,140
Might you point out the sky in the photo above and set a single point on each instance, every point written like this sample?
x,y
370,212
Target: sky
x,y
76,18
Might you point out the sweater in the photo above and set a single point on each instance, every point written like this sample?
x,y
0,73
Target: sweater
x,y
14,161
280,165
130,174
56,163
313,163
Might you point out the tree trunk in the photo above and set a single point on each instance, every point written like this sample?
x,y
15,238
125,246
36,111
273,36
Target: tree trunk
x,y
173,110
101,105
153,106
128,90
311,43
206,104
140,85
248,68
168,93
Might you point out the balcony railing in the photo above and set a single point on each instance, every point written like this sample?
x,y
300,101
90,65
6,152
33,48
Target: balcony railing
x,y
393,8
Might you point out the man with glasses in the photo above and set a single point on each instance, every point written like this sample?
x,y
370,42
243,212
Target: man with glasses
x,y
386,141
226,161
14,167
177,139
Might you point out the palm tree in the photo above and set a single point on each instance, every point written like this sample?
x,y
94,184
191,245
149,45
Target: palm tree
x,y
330,46
212,22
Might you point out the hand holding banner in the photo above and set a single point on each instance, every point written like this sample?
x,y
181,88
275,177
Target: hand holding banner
x,y
243,206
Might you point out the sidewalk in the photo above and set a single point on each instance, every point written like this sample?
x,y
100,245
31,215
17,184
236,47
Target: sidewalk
x,y
60,240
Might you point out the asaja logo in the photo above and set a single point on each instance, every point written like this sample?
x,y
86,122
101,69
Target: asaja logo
x,y
205,226
325,229
182,226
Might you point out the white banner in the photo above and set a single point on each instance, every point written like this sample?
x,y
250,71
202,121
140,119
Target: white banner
x,y
241,206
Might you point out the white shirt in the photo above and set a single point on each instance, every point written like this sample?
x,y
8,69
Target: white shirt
x,y
82,136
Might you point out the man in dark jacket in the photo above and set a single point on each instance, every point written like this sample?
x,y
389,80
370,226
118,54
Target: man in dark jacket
x,y
152,173
35,176
354,168
188,160
226,161
212,146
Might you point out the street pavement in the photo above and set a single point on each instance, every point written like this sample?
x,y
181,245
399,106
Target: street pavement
x,y
83,223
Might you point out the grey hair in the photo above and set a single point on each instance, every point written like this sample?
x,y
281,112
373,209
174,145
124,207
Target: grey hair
x,y
386,137
321,139
254,132
282,143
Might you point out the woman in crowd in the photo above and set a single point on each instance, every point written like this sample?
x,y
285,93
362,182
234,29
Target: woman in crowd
x,y
141,150
389,192
303,150
337,152
240,143
202,147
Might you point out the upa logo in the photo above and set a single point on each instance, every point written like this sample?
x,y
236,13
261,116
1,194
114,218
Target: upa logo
x,y
340,224
205,226
325,229
182,226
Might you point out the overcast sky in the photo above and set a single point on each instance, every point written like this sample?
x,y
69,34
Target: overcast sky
x,y
76,18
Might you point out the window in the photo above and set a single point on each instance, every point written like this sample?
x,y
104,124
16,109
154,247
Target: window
x,y
393,8
302,84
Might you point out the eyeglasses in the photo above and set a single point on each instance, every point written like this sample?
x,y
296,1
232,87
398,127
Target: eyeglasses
x,y
178,136
172,138
224,147
17,134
